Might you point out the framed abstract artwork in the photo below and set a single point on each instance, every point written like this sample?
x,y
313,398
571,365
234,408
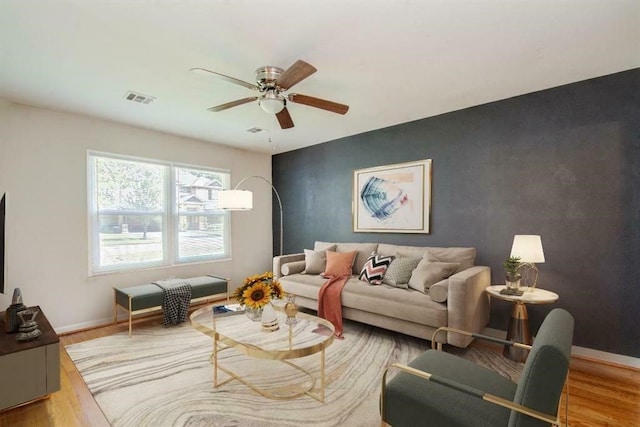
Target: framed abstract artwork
x,y
393,198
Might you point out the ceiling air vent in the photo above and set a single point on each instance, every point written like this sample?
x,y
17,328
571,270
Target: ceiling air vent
x,y
139,98
255,130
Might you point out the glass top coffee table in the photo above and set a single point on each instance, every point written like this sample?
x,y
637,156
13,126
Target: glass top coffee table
x,y
310,335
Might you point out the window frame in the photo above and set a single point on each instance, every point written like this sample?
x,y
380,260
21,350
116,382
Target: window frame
x,y
170,216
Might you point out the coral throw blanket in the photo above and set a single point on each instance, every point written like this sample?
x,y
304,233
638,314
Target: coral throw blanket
x,y
329,304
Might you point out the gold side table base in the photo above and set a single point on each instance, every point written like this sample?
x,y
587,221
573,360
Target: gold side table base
x,y
520,332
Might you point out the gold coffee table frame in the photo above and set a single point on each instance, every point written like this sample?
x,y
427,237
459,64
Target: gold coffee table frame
x,y
282,345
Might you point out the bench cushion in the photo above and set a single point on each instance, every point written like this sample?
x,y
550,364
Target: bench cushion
x,y
150,295
142,296
206,285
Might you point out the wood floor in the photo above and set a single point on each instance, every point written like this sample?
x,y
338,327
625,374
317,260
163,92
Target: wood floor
x,y
599,394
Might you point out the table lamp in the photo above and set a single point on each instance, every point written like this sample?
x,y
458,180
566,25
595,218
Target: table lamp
x,y
529,249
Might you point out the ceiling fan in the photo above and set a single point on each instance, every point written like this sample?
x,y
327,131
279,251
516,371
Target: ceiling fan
x,y
271,85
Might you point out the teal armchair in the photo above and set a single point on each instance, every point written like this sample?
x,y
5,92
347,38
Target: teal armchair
x,y
442,390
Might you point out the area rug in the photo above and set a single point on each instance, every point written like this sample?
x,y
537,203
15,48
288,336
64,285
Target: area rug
x,y
163,377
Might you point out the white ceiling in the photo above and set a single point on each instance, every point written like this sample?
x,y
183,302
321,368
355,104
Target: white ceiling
x,y
391,61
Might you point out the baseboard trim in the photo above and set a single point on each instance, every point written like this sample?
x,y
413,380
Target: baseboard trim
x,y
77,327
603,356
94,324
584,352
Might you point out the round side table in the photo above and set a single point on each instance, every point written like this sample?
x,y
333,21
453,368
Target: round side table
x,y
519,330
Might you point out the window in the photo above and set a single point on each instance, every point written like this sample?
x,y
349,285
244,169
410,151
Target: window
x,y
146,213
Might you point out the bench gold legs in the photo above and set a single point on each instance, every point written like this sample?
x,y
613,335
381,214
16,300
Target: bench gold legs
x,y
115,311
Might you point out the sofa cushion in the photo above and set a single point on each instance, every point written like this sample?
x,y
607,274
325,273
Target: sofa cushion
x,y
428,273
339,264
425,255
464,256
439,291
375,268
363,251
399,272
403,304
293,267
315,261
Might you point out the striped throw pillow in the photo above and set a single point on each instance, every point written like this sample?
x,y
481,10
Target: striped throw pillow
x,y
374,269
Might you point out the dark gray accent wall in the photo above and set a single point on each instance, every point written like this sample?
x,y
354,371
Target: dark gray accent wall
x,y
563,163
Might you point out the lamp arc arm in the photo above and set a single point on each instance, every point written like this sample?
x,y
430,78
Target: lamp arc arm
x,y
237,187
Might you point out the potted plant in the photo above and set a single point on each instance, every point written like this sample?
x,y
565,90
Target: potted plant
x,y
512,276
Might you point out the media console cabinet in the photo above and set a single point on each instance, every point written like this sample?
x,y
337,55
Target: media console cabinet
x,y
29,370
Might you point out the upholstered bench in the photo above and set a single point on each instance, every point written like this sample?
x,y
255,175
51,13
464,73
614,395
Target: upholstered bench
x,y
144,298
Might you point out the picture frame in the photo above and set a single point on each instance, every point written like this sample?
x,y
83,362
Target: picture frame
x,y
393,198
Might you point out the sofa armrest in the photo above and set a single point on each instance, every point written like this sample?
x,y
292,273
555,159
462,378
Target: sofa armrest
x,y
468,303
279,261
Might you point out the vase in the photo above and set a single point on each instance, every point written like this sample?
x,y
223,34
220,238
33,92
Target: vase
x,y
513,282
254,314
269,318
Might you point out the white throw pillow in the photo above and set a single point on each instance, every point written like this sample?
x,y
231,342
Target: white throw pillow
x,y
427,273
314,261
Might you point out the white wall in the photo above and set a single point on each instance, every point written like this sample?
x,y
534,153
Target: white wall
x,y
43,171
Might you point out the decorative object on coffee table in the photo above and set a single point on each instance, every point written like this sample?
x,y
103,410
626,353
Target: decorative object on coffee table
x,y
269,319
257,292
290,309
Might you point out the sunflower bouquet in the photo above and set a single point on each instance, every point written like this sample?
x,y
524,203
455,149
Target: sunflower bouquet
x,y
257,291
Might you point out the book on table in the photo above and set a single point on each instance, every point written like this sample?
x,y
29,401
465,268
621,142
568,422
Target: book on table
x,y
225,309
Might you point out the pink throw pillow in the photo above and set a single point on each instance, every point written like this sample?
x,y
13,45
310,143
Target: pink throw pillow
x,y
339,263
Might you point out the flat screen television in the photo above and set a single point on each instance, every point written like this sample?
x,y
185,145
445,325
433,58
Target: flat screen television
x,y
2,216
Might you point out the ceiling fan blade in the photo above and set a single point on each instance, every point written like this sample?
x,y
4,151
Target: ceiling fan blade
x,y
205,72
295,74
232,104
284,118
323,104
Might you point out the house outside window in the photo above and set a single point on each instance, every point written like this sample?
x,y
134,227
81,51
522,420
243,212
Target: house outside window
x,y
146,213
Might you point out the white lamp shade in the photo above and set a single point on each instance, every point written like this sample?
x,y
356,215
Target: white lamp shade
x,y
235,200
528,248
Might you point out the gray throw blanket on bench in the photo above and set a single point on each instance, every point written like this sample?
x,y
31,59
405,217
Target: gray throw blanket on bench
x,y
176,297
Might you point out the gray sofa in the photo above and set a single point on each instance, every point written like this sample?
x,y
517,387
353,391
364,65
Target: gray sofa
x,y
457,301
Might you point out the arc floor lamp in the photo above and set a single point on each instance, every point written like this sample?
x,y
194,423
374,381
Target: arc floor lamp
x,y
242,200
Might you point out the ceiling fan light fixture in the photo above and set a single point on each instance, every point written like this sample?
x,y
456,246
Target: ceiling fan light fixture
x,y
271,102
271,86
